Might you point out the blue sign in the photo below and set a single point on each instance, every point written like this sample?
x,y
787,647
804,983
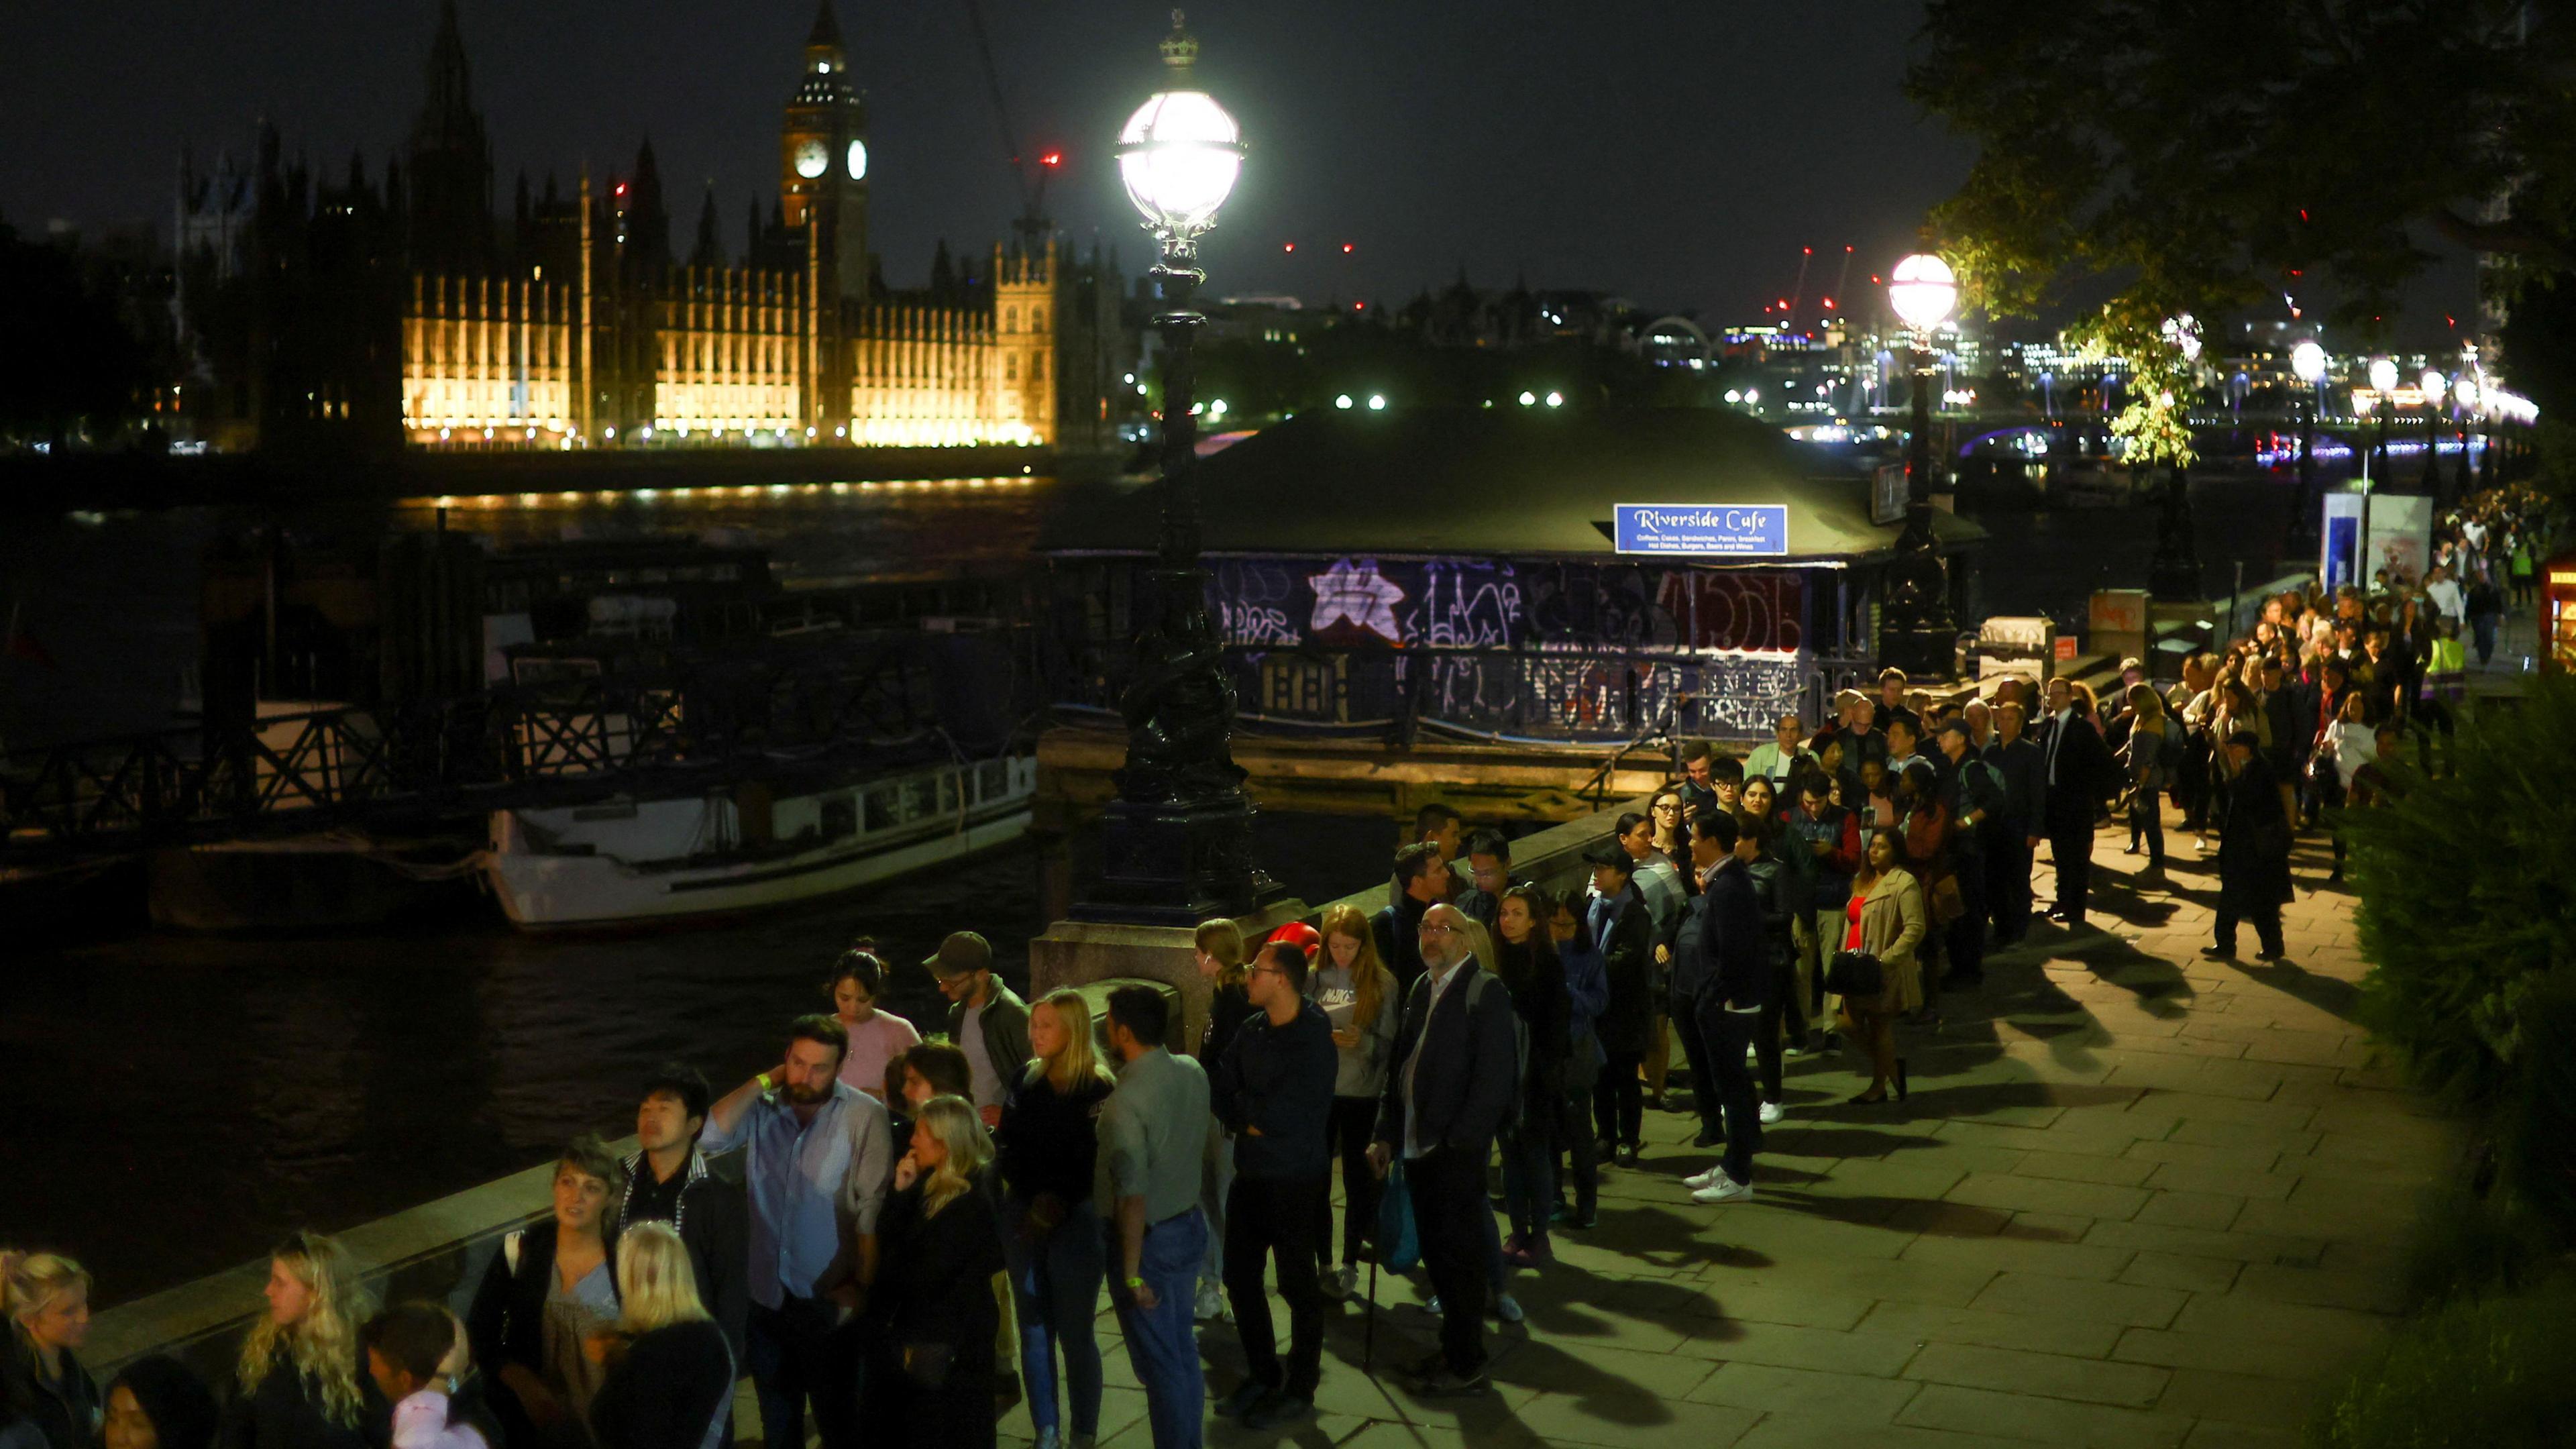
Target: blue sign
x,y
1743,530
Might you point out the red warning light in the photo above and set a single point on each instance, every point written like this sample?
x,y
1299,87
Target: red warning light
x,y
1292,246
621,188
1829,303
1346,249
1052,158
1806,251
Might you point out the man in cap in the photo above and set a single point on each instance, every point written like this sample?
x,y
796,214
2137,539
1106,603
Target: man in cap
x,y
984,1018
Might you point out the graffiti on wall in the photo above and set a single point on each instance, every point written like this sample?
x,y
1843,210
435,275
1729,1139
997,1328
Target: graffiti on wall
x,y
1465,603
1730,695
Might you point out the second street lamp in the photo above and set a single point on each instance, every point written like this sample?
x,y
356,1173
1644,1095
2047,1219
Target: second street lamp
x,y
2435,391
1176,845
1916,630
2308,363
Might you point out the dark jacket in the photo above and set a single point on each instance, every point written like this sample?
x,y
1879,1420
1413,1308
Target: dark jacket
x,y
1273,1088
2253,841
1463,1084
1623,931
1537,981
1969,787
285,1412
1049,1141
1738,970
1776,890
506,1323
62,1410
934,1292
1229,1007
715,1226
1825,881
1398,929
2025,772
1005,1024
2081,775
664,1390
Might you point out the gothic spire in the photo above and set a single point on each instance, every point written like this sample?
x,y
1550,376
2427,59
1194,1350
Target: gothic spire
x,y
827,29
710,248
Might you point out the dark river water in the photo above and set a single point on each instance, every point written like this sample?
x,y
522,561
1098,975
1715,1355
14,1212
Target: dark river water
x,y
178,1102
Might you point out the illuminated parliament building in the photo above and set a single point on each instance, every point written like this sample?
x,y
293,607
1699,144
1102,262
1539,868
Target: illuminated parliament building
x,y
349,315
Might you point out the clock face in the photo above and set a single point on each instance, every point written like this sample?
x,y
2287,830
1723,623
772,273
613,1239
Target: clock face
x,y
858,160
811,159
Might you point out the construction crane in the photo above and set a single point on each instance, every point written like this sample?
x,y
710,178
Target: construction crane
x,y
1032,224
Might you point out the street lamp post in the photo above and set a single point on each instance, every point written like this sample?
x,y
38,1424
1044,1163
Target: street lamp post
x,y
1917,632
2465,393
2308,363
2383,383
1176,845
2436,392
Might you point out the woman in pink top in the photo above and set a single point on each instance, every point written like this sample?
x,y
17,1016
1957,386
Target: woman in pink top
x,y
876,1037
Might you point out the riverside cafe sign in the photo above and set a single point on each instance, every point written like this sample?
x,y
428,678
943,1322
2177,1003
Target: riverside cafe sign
x,y
1702,530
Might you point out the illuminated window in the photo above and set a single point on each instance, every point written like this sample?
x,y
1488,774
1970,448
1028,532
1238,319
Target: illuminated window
x,y
1011,319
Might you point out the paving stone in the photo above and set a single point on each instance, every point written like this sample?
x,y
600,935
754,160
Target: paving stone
x,y
2192,1209
2367,1292
2127,1304
2252,1161
2084,1167
2249,1316
2049,1375
2212,1434
1634,1422
2045,1194
2226,1352
2044,1421
2244,1247
1781,1345
1785,1431
2058,1260
2037,1333
1853,1399
2189,1272
2228,1181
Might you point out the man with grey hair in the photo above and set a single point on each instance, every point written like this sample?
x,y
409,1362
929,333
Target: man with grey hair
x,y
1456,1073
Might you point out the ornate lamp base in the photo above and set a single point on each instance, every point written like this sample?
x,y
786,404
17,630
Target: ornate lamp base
x,y
1177,864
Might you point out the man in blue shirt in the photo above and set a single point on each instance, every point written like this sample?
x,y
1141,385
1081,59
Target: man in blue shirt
x,y
818,1154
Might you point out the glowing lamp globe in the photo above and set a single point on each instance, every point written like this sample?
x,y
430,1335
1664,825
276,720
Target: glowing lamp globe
x,y
2308,360
1179,154
2431,383
2466,391
2383,374
1923,290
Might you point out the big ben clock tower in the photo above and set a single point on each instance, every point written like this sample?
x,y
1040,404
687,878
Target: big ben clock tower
x,y
823,159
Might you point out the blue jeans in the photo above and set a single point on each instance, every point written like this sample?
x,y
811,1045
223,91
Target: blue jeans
x,y
1055,1284
1212,1196
1529,1177
1163,1343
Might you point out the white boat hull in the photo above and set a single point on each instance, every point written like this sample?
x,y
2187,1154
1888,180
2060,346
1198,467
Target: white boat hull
x,y
595,868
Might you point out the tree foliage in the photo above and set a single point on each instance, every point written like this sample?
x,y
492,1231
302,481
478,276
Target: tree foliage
x,y
66,356
2191,155
2467,887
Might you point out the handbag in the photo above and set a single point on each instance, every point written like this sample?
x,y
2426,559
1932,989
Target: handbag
x,y
1947,904
1399,1247
927,1364
1855,973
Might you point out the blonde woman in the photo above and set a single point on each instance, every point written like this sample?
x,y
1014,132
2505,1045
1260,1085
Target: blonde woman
x,y
1357,994
940,1245
670,1371
2144,754
42,1384
302,1380
1884,917
1048,1144
547,1293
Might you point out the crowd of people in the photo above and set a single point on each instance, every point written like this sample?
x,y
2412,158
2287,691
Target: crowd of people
x,y
903,1209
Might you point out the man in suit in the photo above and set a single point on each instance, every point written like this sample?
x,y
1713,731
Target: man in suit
x,y
2024,772
2078,769
1456,1068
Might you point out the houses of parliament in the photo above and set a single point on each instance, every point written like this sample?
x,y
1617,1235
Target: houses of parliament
x,y
355,316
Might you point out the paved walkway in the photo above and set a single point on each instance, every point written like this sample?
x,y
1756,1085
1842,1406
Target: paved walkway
x,y
2136,1199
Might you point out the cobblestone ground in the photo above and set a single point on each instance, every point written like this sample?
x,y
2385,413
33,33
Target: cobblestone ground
x,y
2136,1198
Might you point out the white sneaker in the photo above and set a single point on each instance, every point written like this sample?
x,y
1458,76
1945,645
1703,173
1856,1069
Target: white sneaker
x,y
1725,1189
1343,1281
1048,1438
1211,1304
1430,1305
1507,1308
1703,1179
1772,1112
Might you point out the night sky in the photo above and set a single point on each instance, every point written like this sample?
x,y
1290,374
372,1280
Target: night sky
x,y
1676,153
